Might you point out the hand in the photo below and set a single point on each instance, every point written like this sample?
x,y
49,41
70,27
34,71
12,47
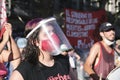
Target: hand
x,y
8,32
5,36
95,77
8,27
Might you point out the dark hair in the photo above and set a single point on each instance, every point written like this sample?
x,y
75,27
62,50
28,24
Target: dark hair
x,y
31,51
31,24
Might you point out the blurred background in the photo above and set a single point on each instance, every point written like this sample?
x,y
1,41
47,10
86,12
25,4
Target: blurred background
x,y
19,12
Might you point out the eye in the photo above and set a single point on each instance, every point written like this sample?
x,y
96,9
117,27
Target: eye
x,y
45,35
51,31
110,30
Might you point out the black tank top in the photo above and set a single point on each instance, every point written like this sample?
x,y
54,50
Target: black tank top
x,y
60,71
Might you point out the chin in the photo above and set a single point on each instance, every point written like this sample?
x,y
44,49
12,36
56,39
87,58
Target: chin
x,y
112,39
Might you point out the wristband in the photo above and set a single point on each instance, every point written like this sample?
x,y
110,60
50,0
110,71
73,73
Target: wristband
x,y
94,76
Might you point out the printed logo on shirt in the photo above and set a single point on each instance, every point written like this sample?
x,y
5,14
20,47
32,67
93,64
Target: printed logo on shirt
x,y
59,77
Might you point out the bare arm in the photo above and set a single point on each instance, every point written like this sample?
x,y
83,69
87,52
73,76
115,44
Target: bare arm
x,y
4,40
14,49
90,59
2,45
13,52
77,56
0,78
16,76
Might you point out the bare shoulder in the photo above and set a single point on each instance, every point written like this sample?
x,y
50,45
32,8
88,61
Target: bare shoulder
x,y
16,76
94,51
95,47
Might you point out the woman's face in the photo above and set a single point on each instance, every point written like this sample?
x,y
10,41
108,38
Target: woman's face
x,y
48,30
48,40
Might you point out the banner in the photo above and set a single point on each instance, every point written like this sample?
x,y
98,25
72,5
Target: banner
x,y
81,28
3,16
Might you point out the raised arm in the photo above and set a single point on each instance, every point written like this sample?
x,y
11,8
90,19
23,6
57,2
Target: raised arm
x,y
12,53
91,58
4,40
16,57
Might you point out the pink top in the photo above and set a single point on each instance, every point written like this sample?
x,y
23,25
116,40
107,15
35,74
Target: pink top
x,y
105,63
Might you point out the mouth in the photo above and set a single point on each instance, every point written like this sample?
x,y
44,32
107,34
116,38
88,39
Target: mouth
x,y
111,38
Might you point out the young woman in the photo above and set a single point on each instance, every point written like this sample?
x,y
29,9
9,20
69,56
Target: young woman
x,y
43,59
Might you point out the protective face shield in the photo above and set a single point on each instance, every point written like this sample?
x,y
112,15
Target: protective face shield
x,y
56,42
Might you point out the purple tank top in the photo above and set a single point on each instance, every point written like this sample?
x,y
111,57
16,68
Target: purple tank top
x,y
105,63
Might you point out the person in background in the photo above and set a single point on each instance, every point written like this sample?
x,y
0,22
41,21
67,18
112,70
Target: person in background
x,y
73,58
42,62
21,43
117,53
100,60
9,51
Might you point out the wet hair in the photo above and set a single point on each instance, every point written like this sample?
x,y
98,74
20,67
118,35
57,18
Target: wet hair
x,y
32,51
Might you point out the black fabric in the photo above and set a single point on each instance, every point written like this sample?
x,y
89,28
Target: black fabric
x,y
59,71
95,77
117,52
106,27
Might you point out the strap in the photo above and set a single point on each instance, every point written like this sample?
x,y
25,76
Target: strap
x,y
116,51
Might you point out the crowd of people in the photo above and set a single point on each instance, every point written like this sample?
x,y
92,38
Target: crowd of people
x,y
46,54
